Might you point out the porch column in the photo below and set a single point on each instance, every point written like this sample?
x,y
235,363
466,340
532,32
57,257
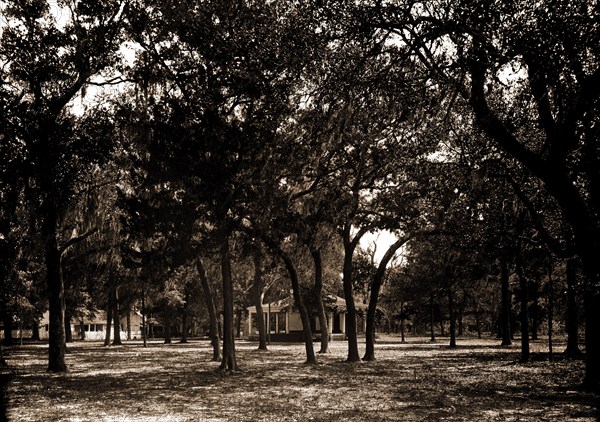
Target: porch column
x,y
343,322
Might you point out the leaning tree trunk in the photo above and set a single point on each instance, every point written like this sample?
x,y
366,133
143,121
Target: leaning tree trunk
x,y
506,302
318,294
572,312
524,313
452,318
257,286
228,363
307,332
213,329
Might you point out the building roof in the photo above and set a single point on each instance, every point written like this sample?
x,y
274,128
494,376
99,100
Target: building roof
x,y
331,302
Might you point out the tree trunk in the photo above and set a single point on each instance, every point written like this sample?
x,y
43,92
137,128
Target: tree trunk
x,y
213,328
81,330
257,299
402,339
55,289
228,363
461,328
238,323
128,316
351,332
374,297
506,303
432,317
144,329
167,331
572,312
535,321
116,316
318,293
452,318
306,330
35,331
550,310
109,317
524,313
68,331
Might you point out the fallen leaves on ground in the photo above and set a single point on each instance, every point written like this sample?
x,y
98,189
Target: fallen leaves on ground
x,y
416,380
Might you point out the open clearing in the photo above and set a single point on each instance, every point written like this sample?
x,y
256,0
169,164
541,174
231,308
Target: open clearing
x,y
416,380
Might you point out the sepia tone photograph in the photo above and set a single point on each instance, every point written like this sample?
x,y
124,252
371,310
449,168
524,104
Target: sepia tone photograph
x,y
299,210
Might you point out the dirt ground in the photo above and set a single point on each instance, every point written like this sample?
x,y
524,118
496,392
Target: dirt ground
x,y
411,381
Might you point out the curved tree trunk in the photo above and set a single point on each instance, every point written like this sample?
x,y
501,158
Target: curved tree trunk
x,y
228,362
213,330
374,297
308,340
318,293
257,299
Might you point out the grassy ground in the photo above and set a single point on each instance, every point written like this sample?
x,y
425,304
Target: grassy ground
x,y
416,380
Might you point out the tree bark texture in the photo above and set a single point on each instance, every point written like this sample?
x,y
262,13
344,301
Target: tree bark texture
x,y
376,284
351,334
213,328
318,294
307,332
54,283
228,362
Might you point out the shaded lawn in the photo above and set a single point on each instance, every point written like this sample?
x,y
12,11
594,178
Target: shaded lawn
x,y
417,380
